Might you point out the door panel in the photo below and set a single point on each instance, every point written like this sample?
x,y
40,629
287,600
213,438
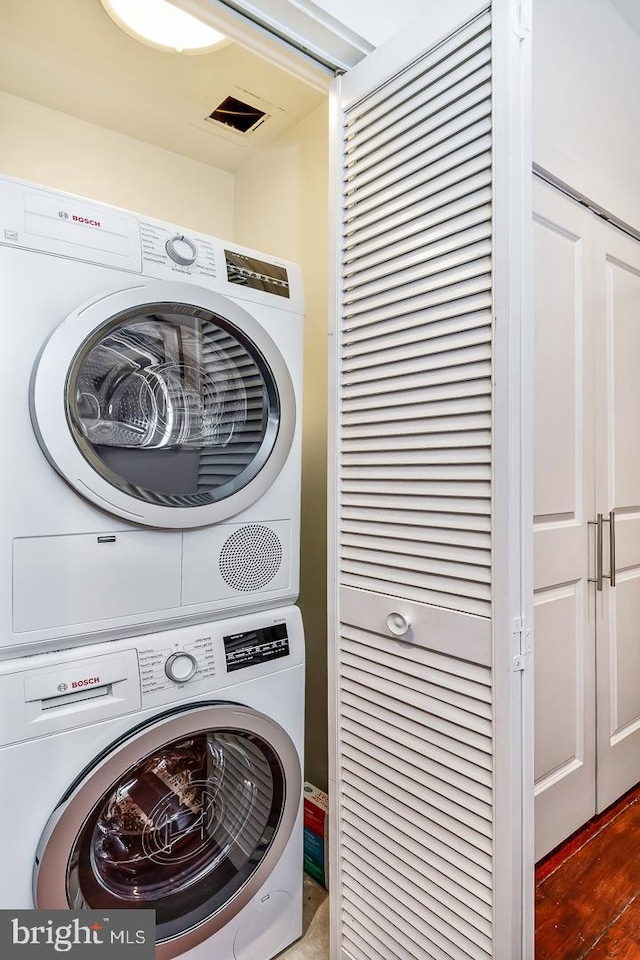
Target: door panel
x,y
563,504
618,628
428,506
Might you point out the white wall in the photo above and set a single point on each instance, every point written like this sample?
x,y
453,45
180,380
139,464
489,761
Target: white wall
x,y
375,20
58,150
281,203
586,105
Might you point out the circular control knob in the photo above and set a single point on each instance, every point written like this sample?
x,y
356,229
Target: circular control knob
x,y
181,250
180,667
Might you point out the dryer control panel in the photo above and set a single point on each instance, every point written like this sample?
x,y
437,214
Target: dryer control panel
x,y
178,254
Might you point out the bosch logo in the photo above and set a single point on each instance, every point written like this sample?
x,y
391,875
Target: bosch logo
x,y
62,687
92,223
63,215
87,682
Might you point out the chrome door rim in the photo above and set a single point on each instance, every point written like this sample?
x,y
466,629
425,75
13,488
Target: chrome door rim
x,y
66,822
48,404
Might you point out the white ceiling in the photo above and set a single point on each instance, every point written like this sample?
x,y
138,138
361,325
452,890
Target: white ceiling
x,y
70,56
630,10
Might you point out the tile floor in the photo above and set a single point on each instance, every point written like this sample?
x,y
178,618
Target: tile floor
x,y
314,944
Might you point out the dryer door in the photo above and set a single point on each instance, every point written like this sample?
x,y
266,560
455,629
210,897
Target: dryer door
x,y
187,816
165,403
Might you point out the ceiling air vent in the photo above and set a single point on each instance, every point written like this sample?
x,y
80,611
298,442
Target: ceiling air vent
x,y
238,115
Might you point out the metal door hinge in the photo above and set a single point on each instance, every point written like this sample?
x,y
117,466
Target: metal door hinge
x,y
523,636
522,24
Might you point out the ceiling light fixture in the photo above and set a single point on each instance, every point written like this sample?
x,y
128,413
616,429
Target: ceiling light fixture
x,y
161,25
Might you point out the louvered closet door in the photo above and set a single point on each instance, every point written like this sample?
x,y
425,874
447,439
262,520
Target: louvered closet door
x,y
430,589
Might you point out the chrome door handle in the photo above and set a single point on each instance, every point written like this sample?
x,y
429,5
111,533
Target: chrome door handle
x,y
598,524
599,575
612,548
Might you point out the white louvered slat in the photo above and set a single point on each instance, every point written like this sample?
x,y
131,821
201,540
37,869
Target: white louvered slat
x,y
404,86
436,93
415,190
392,348
451,552
412,438
444,526
437,529
447,893
416,793
375,827
429,117
377,281
438,170
434,926
411,309
402,362
392,360
471,140
415,483
462,124
461,760
422,201
463,208
447,684
368,768
463,315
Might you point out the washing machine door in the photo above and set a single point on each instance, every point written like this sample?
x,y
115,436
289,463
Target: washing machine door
x,y
165,403
187,816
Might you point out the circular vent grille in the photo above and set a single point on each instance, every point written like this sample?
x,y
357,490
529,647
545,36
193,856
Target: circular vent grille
x,y
250,558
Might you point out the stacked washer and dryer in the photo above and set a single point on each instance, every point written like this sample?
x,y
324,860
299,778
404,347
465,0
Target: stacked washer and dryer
x,y
151,656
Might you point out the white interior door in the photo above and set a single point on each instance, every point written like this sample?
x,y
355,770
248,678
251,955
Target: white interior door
x,y
564,503
587,465
431,515
618,623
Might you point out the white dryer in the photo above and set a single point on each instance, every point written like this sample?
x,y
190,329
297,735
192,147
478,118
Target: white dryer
x,y
162,773
151,396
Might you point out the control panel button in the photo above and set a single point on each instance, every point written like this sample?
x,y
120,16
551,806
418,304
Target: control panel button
x,y
181,250
181,667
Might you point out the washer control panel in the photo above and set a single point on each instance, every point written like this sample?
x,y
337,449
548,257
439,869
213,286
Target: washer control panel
x,y
198,660
250,647
176,663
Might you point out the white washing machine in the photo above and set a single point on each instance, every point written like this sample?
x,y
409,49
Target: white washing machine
x,y
162,773
151,396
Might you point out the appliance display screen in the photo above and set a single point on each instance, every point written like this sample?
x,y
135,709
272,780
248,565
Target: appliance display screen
x,y
257,274
256,646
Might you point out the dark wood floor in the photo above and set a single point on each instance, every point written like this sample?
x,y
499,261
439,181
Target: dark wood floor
x,y
588,890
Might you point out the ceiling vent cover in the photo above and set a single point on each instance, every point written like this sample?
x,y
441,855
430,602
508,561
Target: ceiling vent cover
x,y
238,115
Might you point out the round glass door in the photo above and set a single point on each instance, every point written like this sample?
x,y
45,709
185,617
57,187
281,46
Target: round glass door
x,y
168,404
173,405
187,817
181,831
